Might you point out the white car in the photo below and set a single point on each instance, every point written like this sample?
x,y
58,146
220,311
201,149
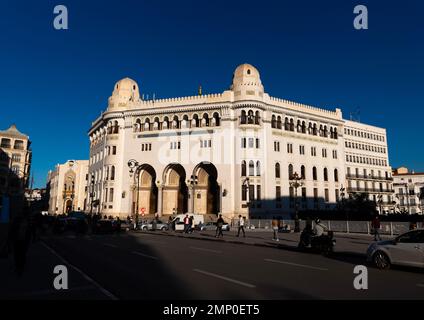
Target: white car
x,y
406,249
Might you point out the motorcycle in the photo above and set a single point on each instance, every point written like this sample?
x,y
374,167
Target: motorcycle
x,y
323,244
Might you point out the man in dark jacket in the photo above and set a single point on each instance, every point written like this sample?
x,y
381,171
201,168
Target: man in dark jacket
x,y
219,223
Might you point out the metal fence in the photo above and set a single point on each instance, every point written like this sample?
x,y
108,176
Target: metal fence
x,y
364,227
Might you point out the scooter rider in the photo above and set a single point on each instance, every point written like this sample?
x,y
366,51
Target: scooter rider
x,y
319,228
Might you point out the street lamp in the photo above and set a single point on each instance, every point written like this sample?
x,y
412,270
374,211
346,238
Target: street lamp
x,y
296,183
133,164
193,181
380,202
247,183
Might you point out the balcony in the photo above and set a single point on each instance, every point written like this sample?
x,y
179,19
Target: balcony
x,y
368,190
250,120
368,177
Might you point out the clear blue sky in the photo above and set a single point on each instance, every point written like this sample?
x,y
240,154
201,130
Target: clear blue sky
x,y
54,83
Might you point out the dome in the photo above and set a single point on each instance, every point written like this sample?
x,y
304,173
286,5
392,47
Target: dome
x,y
125,91
247,80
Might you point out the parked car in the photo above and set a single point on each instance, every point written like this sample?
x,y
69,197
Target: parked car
x,y
106,226
149,226
212,226
406,249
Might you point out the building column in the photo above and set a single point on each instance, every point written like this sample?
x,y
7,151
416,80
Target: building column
x,y
190,200
160,193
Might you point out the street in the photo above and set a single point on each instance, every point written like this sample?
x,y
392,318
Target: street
x,y
146,265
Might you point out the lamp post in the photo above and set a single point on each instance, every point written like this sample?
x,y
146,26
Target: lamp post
x,y
247,183
380,202
342,197
296,183
193,181
133,164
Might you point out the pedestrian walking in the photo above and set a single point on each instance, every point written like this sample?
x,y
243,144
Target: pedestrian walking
x,y
275,224
375,224
219,223
241,224
191,224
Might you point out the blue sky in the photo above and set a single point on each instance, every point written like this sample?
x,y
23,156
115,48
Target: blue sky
x,y
54,83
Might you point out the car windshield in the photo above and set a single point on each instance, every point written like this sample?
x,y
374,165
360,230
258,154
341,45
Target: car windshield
x,y
410,237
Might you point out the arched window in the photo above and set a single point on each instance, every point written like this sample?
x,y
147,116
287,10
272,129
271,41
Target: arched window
x,y
303,127
336,175
115,127
147,124
243,118
315,130
195,121
279,123
290,171
257,117
251,168
107,173
310,129
156,124
205,120
258,168
250,117
112,173
277,170
325,132
165,123
216,119
286,124
291,125
185,123
109,128
335,133
314,174
175,122
243,168
273,122
302,172
137,125
299,126
325,174
321,131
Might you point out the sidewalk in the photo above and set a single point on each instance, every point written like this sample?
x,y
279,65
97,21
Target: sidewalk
x,y
354,244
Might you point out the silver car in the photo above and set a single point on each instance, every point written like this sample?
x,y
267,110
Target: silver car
x,y
406,249
212,226
149,226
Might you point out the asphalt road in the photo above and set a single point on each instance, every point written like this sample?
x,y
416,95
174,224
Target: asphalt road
x,y
149,266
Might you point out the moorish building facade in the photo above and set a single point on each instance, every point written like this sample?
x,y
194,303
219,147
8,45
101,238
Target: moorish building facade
x,y
232,153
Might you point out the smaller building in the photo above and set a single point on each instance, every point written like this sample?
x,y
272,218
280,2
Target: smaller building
x,y
15,168
67,187
409,187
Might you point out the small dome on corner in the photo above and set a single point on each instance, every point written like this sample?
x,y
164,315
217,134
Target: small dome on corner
x,y
125,90
247,78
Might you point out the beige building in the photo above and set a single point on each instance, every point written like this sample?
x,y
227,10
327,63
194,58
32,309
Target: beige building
x,y
15,161
234,152
67,187
409,188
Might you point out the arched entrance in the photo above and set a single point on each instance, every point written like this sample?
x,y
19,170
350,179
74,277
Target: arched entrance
x,y
147,191
68,206
175,191
206,191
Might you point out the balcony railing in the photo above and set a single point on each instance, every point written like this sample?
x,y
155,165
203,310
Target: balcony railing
x,y
250,120
373,190
368,177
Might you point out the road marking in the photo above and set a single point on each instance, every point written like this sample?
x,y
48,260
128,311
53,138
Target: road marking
x,y
204,249
296,264
110,245
86,277
144,255
225,278
421,285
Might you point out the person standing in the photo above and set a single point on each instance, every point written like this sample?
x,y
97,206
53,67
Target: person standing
x,y
275,225
375,224
219,224
186,223
241,226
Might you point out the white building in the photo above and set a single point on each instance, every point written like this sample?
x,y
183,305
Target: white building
x,y
409,187
231,153
367,163
67,187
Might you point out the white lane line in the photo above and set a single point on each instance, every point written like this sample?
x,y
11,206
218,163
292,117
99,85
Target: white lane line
x,y
204,249
248,285
144,255
296,264
421,285
86,277
110,245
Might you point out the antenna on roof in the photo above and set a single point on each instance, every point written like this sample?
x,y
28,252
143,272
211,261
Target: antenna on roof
x,y
200,90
